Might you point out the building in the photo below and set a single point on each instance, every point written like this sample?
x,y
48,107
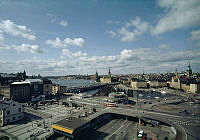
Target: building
x,y
137,83
36,86
7,79
55,89
20,91
195,87
175,83
63,89
10,111
185,83
58,89
189,70
117,97
157,83
47,86
5,91
107,79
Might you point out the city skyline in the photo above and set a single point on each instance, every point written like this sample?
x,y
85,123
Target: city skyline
x,y
76,37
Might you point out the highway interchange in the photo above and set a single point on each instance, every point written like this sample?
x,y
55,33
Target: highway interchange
x,y
188,125
38,122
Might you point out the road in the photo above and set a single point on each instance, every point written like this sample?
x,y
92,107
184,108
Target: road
x,y
188,125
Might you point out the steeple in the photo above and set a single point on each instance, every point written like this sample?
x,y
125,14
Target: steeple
x,y
189,70
24,73
176,72
96,77
109,73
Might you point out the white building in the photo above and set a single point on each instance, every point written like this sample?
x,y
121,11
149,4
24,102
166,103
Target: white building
x,y
10,111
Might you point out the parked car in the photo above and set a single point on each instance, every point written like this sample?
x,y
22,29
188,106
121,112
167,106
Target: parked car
x,y
140,134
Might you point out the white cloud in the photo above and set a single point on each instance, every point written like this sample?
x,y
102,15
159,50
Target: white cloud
x,y
127,61
111,33
68,53
126,35
28,48
56,43
1,36
63,23
131,31
109,21
4,46
164,46
66,42
141,26
11,28
195,35
178,14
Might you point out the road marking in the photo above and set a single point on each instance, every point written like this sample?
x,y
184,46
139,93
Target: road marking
x,y
122,125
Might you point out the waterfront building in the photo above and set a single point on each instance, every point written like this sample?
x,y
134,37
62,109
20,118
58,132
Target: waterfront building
x,y
5,91
7,79
157,83
47,86
107,79
20,91
195,87
63,89
55,89
138,83
10,111
36,86
189,70
186,83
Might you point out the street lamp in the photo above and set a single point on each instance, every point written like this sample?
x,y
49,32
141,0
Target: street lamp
x,y
137,112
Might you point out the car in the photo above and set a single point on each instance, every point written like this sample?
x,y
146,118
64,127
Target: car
x,y
140,134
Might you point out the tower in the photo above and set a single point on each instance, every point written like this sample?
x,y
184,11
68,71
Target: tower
x,y
109,73
189,70
96,77
24,74
176,72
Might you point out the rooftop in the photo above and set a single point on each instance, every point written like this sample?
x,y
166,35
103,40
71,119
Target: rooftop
x,y
23,82
33,80
70,123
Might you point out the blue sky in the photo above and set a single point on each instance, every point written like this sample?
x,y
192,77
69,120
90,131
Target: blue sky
x,y
81,36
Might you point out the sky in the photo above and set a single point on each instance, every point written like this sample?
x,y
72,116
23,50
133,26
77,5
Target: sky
x,y
65,37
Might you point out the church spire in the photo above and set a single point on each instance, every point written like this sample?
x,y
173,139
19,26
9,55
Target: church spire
x,y
109,73
189,71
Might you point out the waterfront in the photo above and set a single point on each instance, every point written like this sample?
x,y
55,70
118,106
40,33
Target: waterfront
x,y
73,82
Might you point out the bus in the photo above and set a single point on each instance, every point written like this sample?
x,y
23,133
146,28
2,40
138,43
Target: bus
x,y
110,105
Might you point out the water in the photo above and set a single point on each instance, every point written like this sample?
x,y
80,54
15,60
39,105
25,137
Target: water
x,y
150,95
76,83
73,82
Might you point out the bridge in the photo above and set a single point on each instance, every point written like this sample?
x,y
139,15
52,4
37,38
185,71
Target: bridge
x,y
86,88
